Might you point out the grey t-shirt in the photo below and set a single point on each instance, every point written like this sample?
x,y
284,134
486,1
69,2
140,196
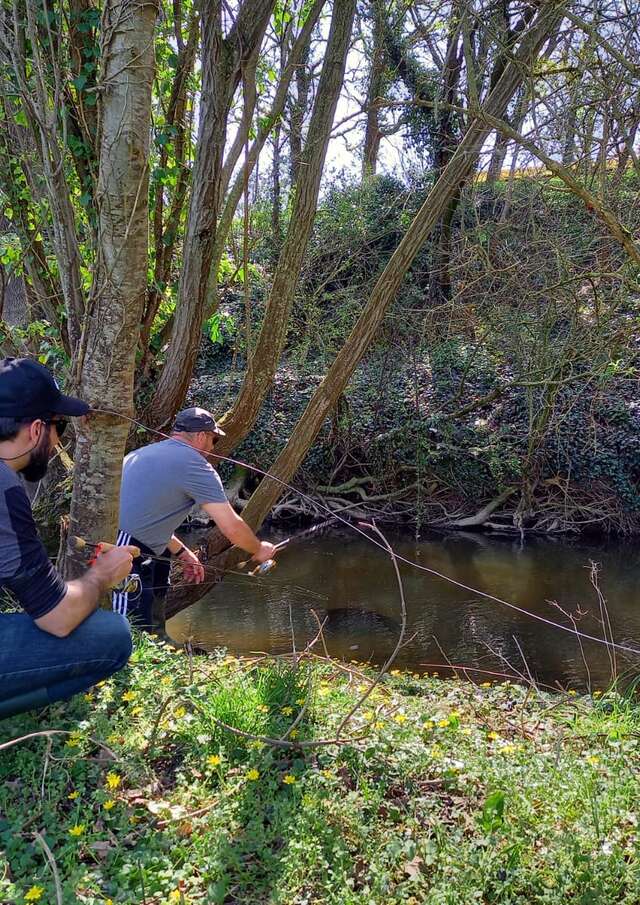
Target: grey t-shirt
x,y
160,484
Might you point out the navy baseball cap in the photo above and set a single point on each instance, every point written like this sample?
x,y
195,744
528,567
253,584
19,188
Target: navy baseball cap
x,y
196,419
29,390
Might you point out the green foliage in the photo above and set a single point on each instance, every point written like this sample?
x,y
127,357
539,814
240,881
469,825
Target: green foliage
x,y
422,803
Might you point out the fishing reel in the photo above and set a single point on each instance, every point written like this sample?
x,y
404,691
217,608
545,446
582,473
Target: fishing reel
x,y
263,568
132,584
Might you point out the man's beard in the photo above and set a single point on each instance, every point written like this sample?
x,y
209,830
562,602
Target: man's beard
x,y
36,468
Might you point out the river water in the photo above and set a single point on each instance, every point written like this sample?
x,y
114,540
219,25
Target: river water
x,y
352,584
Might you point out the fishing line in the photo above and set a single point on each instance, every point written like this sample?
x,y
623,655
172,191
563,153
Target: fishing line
x,y
358,529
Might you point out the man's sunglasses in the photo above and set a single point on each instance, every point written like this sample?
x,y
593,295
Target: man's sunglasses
x,y
60,424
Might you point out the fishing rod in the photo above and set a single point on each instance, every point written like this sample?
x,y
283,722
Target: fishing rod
x,y
359,529
131,584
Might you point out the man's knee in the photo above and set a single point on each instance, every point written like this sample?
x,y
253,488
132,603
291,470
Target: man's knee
x,y
109,634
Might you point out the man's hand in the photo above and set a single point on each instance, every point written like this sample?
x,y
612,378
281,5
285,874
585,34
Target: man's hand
x,y
113,565
192,568
264,552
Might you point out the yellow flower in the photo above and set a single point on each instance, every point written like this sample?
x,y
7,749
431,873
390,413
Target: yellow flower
x,y
136,711
400,718
214,760
573,693
77,830
88,697
262,708
328,774
508,749
300,701
165,680
485,685
108,902
368,714
73,795
396,672
129,696
109,803
180,712
492,734
378,725
593,760
34,894
256,744
428,724
114,738
287,711
113,780
74,740
253,774
288,779
293,733
597,694
443,723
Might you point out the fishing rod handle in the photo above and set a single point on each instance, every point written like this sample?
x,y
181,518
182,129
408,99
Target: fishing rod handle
x,y
79,544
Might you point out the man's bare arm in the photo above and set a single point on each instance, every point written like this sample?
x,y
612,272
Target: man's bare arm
x,y
83,594
237,531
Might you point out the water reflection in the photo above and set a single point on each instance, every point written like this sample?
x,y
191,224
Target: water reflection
x,y
352,584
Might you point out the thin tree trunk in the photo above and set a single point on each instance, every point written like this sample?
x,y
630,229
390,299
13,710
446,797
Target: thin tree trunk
x,y
259,377
110,336
298,112
223,62
276,226
373,132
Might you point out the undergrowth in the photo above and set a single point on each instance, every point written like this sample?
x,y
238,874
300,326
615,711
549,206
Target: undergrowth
x,y
440,792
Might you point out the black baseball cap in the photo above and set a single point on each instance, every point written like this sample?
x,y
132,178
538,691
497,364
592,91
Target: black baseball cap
x,y
29,390
196,419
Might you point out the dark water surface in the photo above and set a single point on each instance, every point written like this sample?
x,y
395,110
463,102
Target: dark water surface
x,y
348,580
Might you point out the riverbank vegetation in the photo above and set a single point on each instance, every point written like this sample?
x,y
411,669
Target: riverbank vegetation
x,y
162,785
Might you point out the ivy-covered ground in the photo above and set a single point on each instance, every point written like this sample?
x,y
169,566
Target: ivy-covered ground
x,y
439,791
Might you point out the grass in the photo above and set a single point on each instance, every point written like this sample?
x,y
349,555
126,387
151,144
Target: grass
x,y
446,793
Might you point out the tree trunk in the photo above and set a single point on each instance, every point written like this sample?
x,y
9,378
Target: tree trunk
x,y
107,350
259,377
298,112
223,61
373,132
267,123
459,169
276,226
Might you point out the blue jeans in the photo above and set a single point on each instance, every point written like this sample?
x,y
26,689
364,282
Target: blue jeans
x,y
37,668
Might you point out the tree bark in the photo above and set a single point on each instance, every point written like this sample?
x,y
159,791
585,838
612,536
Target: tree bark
x,y
106,359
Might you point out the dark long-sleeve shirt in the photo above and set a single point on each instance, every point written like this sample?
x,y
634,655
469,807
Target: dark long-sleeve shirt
x,y
25,568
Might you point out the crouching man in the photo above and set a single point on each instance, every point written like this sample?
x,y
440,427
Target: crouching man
x,y
160,484
61,644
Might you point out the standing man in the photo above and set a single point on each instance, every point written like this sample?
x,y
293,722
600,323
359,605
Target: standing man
x,y
61,644
160,484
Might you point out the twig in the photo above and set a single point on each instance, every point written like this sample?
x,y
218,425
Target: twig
x,y
45,767
52,864
524,660
49,732
320,632
403,629
202,810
